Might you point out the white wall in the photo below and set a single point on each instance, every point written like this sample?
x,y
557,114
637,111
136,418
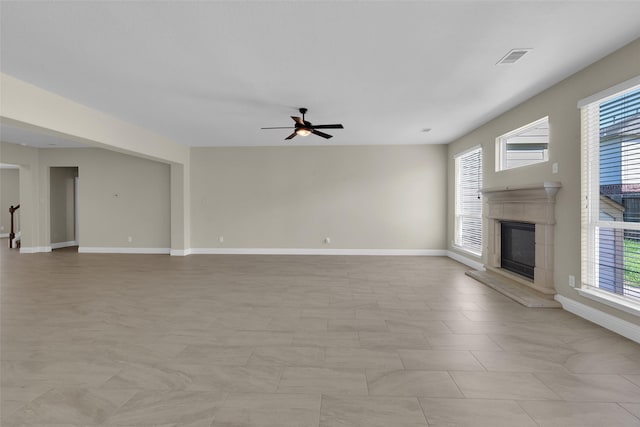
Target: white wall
x,y
365,197
560,104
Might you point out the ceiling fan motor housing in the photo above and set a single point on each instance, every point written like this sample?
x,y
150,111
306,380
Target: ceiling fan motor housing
x,y
307,124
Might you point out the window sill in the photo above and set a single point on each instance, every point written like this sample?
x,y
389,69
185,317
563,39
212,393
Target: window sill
x,y
607,298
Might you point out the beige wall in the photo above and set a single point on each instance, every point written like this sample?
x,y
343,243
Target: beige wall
x,y
119,196
366,197
269,197
62,204
27,159
23,104
9,196
559,103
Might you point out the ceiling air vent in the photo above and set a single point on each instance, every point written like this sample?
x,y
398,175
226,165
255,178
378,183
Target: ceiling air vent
x,y
513,56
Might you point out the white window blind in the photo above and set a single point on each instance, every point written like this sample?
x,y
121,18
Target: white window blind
x,y
468,205
611,194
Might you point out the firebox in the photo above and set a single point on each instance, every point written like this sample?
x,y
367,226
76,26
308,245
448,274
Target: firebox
x,y
518,247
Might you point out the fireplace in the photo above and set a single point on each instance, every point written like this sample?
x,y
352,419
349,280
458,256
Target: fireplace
x,y
518,247
532,207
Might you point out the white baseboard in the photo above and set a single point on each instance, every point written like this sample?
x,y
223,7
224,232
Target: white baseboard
x,y
34,249
112,250
613,323
180,252
242,251
466,261
261,251
59,245
314,251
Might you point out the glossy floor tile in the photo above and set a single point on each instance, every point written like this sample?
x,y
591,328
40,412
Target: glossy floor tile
x,y
576,414
475,413
294,341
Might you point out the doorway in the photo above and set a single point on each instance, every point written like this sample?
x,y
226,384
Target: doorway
x,y
63,197
10,198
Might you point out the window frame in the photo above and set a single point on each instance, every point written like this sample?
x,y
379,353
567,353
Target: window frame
x,y
501,146
591,219
458,241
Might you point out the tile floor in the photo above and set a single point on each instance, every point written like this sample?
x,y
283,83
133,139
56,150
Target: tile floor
x,y
294,341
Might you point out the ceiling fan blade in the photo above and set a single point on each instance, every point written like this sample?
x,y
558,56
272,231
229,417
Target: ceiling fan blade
x,y
287,127
322,134
336,126
291,136
298,120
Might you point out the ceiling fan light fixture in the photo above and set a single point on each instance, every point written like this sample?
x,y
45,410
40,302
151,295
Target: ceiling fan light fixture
x,y
304,128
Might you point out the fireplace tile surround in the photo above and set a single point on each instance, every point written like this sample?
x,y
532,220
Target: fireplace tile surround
x,y
533,204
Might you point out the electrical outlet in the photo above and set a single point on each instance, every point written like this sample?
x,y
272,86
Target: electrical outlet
x,y
221,239
129,239
572,281
327,240
554,168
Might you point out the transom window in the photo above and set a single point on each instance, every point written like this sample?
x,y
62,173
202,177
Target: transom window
x,y
524,146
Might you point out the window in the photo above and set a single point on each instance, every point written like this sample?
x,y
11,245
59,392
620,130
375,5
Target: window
x,y
468,204
611,193
524,146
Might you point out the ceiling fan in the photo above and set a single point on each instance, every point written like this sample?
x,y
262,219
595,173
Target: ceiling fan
x,y
304,128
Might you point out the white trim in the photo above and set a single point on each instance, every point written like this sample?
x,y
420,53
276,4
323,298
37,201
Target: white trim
x,y
524,127
464,207
314,251
112,250
467,151
76,208
34,249
501,146
465,250
180,252
466,261
615,324
63,244
4,235
610,92
620,225
612,300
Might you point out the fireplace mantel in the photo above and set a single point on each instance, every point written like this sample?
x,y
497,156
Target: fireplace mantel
x,y
524,193
535,204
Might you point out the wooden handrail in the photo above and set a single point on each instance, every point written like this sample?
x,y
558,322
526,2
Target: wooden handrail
x,y
12,235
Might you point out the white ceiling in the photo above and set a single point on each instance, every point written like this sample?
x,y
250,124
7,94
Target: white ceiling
x,y
211,73
36,137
